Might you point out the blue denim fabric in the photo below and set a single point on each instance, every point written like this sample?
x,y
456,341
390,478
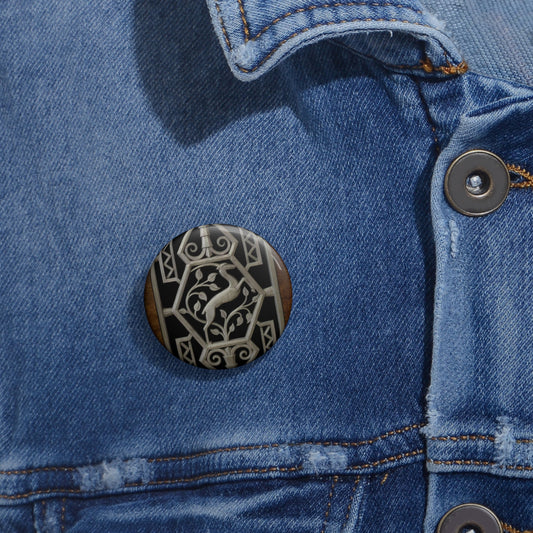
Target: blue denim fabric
x,y
402,383
494,35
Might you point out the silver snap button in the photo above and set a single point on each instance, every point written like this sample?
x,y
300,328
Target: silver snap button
x,y
469,517
477,183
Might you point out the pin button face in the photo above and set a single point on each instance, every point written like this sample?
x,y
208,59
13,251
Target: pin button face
x,y
469,517
218,296
477,183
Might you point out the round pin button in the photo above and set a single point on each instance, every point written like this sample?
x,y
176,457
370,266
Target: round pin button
x,y
218,296
469,517
477,183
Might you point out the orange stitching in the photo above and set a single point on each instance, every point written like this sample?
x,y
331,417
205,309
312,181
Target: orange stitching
x,y
478,437
386,460
363,442
385,477
328,6
521,172
62,520
218,474
210,452
426,64
519,467
277,445
478,463
449,69
31,493
466,437
422,64
509,528
512,529
328,508
348,509
232,449
459,69
228,44
244,22
44,510
40,469
461,462
168,481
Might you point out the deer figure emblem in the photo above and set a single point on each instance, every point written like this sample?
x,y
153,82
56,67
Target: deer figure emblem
x,y
227,295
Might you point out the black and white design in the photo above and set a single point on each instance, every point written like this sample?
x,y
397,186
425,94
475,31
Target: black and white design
x,y
217,296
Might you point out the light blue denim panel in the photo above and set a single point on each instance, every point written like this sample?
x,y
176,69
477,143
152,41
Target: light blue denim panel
x,y
483,329
256,35
494,36
479,403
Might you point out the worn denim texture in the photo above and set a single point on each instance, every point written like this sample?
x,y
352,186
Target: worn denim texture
x,y
402,383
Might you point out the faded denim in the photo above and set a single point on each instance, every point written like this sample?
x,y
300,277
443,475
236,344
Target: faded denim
x,y
402,384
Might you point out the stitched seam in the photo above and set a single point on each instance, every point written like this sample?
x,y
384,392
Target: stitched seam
x,y
327,6
222,25
459,438
219,474
294,444
528,177
429,118
424,64
62,520
216,475
476,462
244,22
31,493
385,477
236,448
427,66
162,482
349,508
465,437
519,467
386,460
511,529
461,462
40,469
328,507
449,68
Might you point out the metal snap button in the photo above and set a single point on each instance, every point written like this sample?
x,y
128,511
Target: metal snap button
x,y
218,296
477,183
469,517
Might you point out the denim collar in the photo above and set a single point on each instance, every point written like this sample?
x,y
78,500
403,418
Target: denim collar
x,y
257,34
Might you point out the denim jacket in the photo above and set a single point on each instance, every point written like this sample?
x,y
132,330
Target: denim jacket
x,y
402,385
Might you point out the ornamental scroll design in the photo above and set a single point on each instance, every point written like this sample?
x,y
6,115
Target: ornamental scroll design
x,y
206,297
225,309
